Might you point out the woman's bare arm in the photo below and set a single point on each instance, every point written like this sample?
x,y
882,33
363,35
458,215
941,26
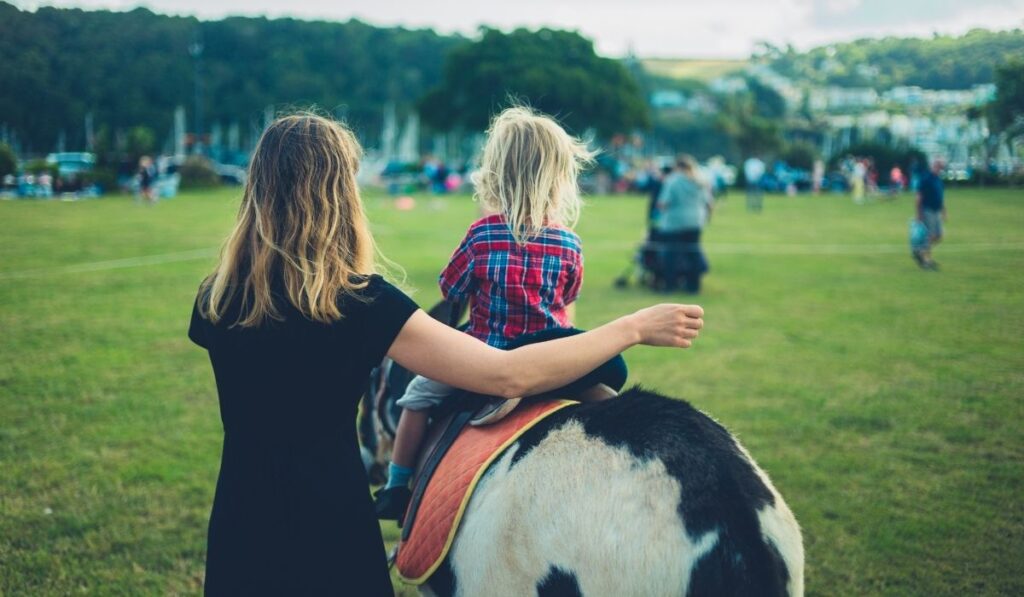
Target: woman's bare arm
x,y
434,350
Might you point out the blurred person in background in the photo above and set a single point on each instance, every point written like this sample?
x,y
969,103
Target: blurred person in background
x,y
857,180
683,209
658,176
931,211
896,180
45,182
753,170
147,175
871,176
817,176
716,170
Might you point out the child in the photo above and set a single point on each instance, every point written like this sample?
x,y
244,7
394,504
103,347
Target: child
x,y
520,267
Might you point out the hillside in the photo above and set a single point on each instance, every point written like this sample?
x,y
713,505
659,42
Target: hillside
x,y
939,62
687,68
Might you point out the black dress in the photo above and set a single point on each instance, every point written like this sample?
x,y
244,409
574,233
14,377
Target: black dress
x,y
292,513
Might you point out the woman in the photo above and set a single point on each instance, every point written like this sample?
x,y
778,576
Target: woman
x,y
294,319
684,207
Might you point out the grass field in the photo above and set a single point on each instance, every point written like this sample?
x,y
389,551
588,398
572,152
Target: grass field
x,y
885,402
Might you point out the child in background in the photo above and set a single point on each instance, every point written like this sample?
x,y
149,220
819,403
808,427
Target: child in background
x,y
520,268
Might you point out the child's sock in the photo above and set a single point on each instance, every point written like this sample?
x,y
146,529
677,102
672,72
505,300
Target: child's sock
x,y
398,476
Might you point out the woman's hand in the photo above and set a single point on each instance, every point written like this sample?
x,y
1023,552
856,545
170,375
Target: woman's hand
x,y
668,324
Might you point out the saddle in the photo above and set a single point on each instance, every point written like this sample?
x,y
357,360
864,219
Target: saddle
x,y
456,457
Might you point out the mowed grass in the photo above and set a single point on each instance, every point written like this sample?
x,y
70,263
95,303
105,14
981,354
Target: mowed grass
x,y
885,402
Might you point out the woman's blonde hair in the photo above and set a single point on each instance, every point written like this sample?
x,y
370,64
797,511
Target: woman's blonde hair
x,y
528,172
301,234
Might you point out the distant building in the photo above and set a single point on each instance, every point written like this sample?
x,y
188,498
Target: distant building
x,y
842,98
913,96
728,85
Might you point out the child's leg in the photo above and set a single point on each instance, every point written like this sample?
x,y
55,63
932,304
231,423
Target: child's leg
x,y
420,396
412,426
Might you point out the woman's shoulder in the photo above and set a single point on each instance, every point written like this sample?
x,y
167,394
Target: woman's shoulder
x,y
376,293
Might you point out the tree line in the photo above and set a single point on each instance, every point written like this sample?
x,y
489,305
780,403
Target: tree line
x,y
132,69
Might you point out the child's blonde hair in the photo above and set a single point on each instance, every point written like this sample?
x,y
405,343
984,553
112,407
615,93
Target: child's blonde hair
x,y
528,172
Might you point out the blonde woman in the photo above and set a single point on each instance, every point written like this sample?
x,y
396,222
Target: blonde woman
x,y
293,319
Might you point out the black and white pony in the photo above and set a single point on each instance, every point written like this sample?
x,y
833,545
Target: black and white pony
x,y
638,495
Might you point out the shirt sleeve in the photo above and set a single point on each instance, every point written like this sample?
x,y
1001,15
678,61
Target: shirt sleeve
x,y
198,328
575,278
456,280
385,316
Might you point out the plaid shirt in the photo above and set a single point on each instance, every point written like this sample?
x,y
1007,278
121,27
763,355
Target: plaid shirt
x,y
513,289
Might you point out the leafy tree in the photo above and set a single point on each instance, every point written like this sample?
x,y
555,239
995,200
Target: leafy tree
x,y
767,102
800,155
694,134
556,72
751,132
134,68
139,141
8,161
1008,107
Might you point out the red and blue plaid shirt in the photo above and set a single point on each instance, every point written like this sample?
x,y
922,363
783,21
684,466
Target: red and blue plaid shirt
x,y
514,289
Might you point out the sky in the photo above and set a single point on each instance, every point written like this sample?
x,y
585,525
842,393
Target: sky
x,y
651,28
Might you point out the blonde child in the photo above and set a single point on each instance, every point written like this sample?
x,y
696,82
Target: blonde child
x,y
520,268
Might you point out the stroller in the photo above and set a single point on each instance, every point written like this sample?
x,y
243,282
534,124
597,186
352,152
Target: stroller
x,y
666,265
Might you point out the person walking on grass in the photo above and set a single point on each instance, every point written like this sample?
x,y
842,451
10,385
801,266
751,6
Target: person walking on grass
x,y
684,208
293,319
931,211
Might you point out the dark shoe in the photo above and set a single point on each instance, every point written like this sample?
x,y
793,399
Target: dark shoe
x,y
391,503
494,411
918,258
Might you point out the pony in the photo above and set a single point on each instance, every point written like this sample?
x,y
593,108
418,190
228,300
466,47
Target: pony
x,y
638,495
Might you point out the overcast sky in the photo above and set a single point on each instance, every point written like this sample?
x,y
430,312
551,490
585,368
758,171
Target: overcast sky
x,y
653,28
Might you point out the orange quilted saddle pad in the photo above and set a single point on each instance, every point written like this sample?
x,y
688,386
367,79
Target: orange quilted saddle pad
x,y
448,491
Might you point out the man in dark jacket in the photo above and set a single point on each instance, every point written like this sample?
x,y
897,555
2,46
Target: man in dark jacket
x,y
931,211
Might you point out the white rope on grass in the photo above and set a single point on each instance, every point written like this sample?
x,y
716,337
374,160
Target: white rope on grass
x,y
855,249
712,248
823,249
95,266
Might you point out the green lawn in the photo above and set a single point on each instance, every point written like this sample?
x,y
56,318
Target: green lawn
x,y
886,402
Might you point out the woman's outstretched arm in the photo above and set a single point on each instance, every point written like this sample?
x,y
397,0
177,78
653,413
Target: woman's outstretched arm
x,y
439,352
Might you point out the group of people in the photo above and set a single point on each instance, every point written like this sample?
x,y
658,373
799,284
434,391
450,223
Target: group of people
x,y
863,176
294,317
30,185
